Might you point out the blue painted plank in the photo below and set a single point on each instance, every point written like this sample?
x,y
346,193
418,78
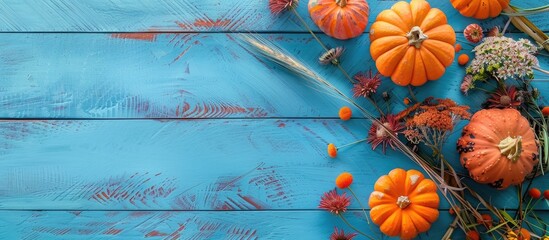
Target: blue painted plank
x,y
192,225
184,76
191,164
186,15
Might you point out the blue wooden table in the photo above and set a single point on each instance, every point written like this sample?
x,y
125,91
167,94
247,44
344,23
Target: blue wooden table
x,y
147,119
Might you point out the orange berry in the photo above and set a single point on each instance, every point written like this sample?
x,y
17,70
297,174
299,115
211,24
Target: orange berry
x,y
332,150
546,194
345,113
463,59
344,180
534,193
523,234
545,111
457,47
472,235
486,220
406,101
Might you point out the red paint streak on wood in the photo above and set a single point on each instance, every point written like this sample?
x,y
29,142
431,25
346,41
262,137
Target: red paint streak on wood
x,y
86,231
134,189
216,110
112,231
177,233
204,23
155,234
252,201
282,125
52,230
242,233
146,36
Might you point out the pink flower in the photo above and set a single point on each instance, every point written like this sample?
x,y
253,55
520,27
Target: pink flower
x,y
466,84
367,84
331,56
382,134
340,235
334,202
279,6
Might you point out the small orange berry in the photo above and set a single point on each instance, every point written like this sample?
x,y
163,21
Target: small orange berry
x,y
332,150
457,47
463,59
523,234
486,220
472,235
345,113
545,111
406,101
546,194
344,180
534,193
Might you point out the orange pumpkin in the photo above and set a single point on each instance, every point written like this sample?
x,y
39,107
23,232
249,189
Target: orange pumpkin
x,y
404,203
498,147
480,9
412,43
341,19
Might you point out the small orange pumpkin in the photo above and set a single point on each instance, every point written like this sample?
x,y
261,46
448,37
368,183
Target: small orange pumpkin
x,y
404,203
498,147
341,19
480,9
412,43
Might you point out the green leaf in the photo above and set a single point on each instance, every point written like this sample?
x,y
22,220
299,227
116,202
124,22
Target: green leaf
x,y
508,217
496,227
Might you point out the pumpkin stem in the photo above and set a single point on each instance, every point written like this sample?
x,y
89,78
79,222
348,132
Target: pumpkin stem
x,y
511,147
341,3
416,37
403,202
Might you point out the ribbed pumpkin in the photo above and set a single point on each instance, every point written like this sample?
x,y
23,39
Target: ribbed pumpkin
x,y
480,9
404,203
498,147
341,19
412,43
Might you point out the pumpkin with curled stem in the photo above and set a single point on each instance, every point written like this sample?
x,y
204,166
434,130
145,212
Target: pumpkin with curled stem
x,y
341,19
480,9
498,147
412,43
404,203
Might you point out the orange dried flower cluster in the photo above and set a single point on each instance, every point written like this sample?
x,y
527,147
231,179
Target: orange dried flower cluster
x,y
438,115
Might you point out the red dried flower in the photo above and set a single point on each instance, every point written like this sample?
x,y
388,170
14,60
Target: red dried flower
x,y
335,203
504,98
534,193
473,33
278,6
331,56
340,235
382,135
367,84
546,194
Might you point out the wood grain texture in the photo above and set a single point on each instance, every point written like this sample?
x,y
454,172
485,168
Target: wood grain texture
x,y
186,16
190,164
190,225
185,76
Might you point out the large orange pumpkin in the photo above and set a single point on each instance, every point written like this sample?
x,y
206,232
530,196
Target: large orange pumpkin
x,y
498,147
404,203
412,43
480,9
341,19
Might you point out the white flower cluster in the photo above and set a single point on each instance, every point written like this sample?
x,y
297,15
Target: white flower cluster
x,y
502,58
